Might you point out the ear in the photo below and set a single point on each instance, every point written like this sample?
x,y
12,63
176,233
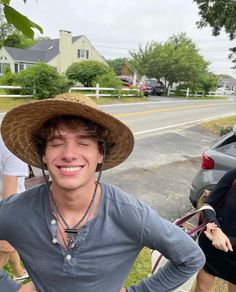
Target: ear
x,y
44,159
100,158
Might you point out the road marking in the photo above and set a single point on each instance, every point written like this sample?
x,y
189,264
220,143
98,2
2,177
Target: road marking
x,y
169,109
182,124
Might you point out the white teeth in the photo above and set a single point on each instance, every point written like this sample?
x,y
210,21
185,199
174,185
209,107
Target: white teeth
x,y
71,169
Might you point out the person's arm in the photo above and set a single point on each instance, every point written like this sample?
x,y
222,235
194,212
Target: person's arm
x,y
217,194
184,255
9,185
219,239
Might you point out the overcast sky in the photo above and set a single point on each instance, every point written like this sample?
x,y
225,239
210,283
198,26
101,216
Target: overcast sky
x,y
115,27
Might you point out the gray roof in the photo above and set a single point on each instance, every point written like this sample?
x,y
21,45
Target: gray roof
x,y
26,55
50,47
44,51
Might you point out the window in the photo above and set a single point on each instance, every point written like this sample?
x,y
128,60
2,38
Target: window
x,y
21,66
16,67
83,54
3,66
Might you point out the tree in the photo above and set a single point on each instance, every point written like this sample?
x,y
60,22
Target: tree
x,y
18,40
18,20
118,65
177,60
87,71
219,14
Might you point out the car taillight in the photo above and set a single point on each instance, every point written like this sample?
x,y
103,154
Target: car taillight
x,y
207,162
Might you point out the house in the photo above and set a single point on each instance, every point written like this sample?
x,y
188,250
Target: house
x,y
59,53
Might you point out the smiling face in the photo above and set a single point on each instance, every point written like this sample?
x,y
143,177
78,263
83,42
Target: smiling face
x,y
71,156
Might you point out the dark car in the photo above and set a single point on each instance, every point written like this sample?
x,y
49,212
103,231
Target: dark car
x,y
216,161
158,87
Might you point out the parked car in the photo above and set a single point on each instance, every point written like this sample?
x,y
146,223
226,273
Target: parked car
x,y
126,81
157,86
145,88
216,161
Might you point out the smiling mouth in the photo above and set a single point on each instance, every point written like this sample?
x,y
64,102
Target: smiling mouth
x,y
71,168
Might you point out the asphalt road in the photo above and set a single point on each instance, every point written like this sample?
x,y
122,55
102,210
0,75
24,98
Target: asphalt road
x,y
160,169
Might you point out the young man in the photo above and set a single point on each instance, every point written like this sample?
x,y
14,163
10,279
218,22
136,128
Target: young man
x,y
76,233
12,177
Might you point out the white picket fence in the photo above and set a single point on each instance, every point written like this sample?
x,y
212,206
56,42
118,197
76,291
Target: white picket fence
x,y
13,95
99,91
187,93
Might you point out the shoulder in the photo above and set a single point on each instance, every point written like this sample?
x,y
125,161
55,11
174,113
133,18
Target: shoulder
x,y
120,197
21,201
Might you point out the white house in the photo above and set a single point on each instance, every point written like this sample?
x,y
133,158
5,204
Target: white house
x,y
59,53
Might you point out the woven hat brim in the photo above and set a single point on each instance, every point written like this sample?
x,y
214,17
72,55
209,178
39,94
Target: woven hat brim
x,y
20,123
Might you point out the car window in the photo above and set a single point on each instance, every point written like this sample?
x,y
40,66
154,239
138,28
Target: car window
x,y
229,149
230,140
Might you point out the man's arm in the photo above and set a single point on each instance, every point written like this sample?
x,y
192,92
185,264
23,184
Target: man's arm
x,y
184,255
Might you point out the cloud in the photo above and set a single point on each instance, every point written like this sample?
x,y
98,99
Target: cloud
x,y
117,26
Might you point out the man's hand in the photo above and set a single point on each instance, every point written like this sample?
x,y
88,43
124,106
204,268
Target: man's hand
x,y
29,287
218,238
123,290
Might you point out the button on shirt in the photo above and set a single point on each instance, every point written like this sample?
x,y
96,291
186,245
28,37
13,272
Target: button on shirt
x,y
105,248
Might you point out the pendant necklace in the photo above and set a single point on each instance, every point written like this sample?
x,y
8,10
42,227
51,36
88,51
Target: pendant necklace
x,y
72,232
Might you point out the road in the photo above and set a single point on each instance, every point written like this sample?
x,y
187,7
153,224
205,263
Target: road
x,y
168,148
167,152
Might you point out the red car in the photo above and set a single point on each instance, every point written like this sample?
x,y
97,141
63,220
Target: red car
x,y
126,81
145,88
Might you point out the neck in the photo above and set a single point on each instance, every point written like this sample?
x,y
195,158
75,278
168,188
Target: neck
x,y
73,200
75,207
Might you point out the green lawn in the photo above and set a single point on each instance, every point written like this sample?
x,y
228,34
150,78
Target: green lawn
x,y
7,103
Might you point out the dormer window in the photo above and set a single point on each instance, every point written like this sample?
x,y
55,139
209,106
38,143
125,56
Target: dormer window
x,y
83,54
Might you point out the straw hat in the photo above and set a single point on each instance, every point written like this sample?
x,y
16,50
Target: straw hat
x,y
21,122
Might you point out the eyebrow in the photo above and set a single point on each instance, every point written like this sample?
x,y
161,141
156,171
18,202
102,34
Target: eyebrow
x,y
61,137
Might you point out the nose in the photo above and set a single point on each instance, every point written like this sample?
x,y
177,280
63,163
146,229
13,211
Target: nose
x,y
69,152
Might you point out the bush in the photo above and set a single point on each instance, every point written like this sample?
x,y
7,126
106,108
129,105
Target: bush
x,y
43,81
107,80
87,71
8,78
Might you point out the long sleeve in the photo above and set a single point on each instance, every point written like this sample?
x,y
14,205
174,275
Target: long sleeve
x,y
185,256
218,193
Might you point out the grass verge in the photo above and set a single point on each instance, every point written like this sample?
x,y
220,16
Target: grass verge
x,y
7,103
216,126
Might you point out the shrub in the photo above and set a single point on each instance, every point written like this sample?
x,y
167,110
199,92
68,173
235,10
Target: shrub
x,y
107,80
42,80
8,78
86,71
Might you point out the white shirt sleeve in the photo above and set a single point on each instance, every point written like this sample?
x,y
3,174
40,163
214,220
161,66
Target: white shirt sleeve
x,y
13,166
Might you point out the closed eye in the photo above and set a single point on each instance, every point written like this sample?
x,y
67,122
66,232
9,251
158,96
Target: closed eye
x,y
56,142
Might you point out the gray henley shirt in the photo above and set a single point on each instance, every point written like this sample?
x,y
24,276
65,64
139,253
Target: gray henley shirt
x,y
105,249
